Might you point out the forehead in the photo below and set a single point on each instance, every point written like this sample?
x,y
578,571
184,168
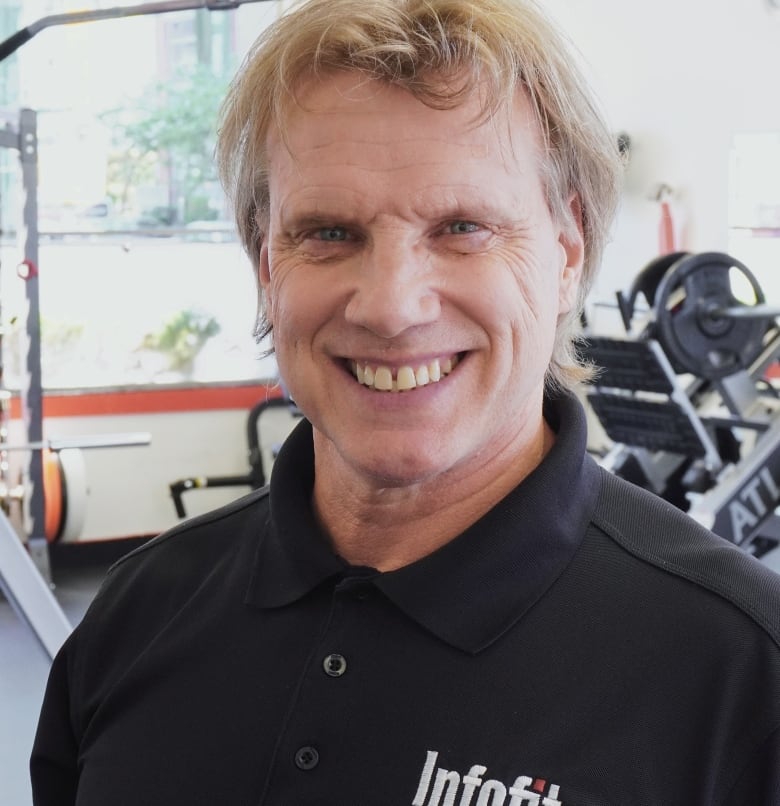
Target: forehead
x,y
344,106
361,149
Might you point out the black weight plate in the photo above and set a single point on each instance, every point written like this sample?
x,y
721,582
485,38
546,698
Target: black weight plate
x,y
645,283
691,325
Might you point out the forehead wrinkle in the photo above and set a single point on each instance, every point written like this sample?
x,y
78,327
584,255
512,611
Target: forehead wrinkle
x,y
501,130
463,192
386,150
449,183
381,157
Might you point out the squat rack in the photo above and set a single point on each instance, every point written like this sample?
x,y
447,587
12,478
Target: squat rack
x,y
24,570
24,573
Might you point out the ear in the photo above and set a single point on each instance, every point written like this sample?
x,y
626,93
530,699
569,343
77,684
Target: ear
x,y
572,243
264,269
264,274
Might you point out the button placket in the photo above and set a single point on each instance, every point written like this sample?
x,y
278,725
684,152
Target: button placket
x,y
312,728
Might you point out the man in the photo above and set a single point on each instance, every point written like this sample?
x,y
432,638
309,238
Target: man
x,y
441,600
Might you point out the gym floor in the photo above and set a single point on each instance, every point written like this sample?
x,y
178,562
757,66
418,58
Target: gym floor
x,y
76,572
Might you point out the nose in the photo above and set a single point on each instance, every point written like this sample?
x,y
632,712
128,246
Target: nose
x,y
392,291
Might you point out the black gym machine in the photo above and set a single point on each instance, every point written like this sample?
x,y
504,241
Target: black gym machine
x,y
686,397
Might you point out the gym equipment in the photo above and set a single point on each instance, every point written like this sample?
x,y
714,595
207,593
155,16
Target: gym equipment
x,y
20,579
704,328
16,40
24,567
259,455
25,580
686,399
30,596
21,582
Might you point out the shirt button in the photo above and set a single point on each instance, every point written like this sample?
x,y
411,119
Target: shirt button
x,y
307,758
335,665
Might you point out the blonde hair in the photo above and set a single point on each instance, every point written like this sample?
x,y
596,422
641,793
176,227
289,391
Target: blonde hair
x,y
502,45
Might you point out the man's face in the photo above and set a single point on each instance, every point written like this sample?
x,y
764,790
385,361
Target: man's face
x,y
414,278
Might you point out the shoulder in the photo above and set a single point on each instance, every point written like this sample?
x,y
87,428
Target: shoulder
x,y
658,534
197,539
185,579
215,551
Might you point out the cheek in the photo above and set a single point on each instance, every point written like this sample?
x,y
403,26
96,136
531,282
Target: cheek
x,y
278,277
525,290
287,318
515,305
531,309
299,303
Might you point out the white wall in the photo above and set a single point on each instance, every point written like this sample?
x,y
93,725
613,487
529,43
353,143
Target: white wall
x,y
680,77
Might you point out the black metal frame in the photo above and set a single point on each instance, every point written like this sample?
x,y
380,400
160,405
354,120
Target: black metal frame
x,y
256,477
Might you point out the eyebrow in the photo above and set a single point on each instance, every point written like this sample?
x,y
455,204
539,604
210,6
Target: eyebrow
x,y
304,220
433,205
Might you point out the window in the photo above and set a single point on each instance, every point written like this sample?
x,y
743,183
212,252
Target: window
x,y
754,207
142,280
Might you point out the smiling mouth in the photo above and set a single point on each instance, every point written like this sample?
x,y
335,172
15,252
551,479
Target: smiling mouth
x,y
404,378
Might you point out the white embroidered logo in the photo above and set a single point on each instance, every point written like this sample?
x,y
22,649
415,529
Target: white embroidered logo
x,y
440,787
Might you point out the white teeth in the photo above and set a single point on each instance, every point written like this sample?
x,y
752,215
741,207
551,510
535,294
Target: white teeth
x,y
406,378
383,379
421,377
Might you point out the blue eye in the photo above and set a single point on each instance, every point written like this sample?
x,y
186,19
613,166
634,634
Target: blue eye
x,y
463,227
332,234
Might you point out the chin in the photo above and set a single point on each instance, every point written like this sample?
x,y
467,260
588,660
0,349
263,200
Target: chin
x,y
386,458
402,472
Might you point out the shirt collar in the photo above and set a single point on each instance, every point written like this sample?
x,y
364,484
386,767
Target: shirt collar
x,y
473,589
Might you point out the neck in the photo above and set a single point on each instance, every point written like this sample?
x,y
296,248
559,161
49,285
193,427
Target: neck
x,y
388,527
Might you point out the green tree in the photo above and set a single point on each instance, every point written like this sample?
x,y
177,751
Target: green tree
x,y
128,168
174,126
182,337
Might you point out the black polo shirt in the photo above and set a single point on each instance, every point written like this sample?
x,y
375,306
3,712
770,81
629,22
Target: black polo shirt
x,y
582,644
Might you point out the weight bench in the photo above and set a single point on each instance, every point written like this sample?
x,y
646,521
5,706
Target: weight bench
x,y
641,405
640,401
